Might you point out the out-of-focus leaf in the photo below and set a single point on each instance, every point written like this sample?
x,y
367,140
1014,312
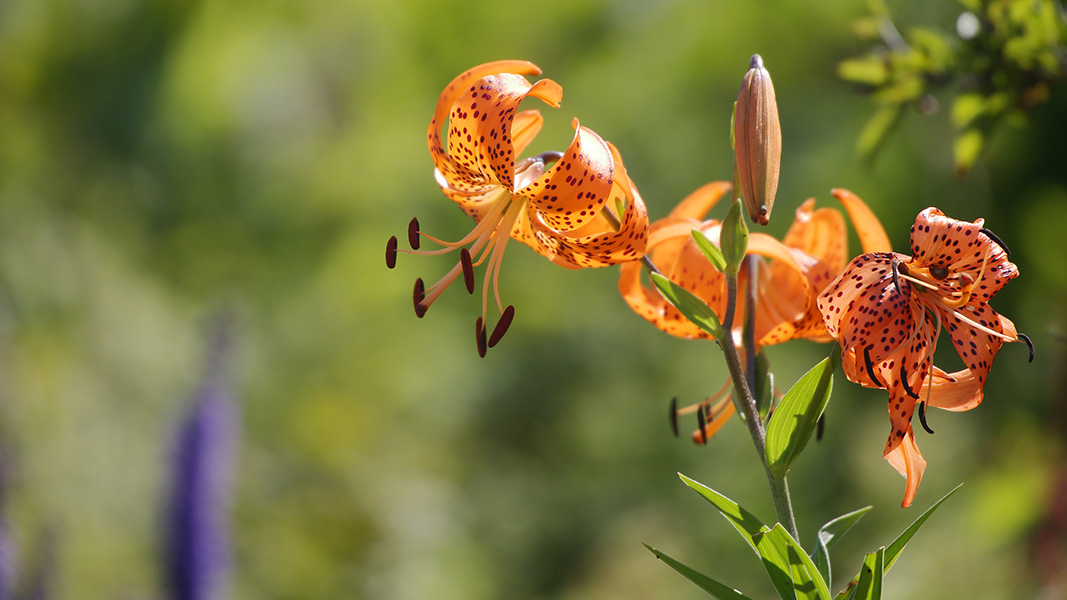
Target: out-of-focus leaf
x,y
710,250
967,148
869,586
733,238
870,70
716,589
795,418
966,108
876,130
694,309
828,535
901,92
934,47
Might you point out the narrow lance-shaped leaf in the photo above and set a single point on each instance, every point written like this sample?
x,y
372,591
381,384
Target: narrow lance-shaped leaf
x,y
828,535
783,551
894,549
869,584
770,550
692,307
710,250
796,416
716,589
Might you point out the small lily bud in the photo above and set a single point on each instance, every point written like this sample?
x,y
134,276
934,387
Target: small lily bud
x,y
757,142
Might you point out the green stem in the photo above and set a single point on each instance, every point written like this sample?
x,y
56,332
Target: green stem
x,y
745,401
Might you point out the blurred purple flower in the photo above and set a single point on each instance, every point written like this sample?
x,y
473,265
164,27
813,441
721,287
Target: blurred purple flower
x,y
198,536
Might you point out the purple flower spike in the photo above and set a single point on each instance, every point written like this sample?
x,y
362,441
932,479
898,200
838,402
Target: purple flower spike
x,y
198,539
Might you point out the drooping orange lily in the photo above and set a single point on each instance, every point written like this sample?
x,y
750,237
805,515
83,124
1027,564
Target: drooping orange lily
x,y
811,254
576,207
887,309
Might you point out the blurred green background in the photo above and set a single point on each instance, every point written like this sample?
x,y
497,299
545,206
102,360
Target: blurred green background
x,y
162,160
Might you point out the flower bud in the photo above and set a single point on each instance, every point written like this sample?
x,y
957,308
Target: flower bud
x,y
757,141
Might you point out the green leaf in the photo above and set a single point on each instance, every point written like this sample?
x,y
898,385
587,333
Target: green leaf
x,y
772,549
892,552
967,148
745,522
796,416
876,130
869,586
828,535
694,309
710,250
870,70
733,238
716,589
894,549
776,546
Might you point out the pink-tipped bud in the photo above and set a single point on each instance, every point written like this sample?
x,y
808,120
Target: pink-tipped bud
x,y
757,142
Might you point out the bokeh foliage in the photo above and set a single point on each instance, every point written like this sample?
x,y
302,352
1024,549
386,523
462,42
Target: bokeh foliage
x,y
162,159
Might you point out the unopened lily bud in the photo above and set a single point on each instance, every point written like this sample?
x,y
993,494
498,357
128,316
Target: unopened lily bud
x,y
757,141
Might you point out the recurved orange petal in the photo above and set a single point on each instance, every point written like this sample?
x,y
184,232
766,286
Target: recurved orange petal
x,y
869,229
904,455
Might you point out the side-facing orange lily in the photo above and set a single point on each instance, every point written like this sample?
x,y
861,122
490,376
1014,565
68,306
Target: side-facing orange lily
x,y
576,207
811,254
887,309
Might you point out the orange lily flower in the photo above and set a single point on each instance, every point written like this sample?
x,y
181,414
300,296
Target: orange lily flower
x,y
887,309
811,254
578,208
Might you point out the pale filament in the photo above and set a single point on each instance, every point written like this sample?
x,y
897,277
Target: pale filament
x,y
714,411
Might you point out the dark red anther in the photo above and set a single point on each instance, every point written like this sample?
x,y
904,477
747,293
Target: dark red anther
x,y
418,295
390,252
479,336
1029,344
502,325
904,382
700,423
468,269
870,366
820,428
896,275
922,418
674,415
413,234
992,236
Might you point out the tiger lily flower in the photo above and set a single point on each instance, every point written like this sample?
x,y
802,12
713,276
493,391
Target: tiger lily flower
x,y
887,310
812,253
577,208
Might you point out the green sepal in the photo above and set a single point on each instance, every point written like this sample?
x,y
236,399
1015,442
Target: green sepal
x,y
796,416
710,250
693,308
716,589
734,238
828,535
